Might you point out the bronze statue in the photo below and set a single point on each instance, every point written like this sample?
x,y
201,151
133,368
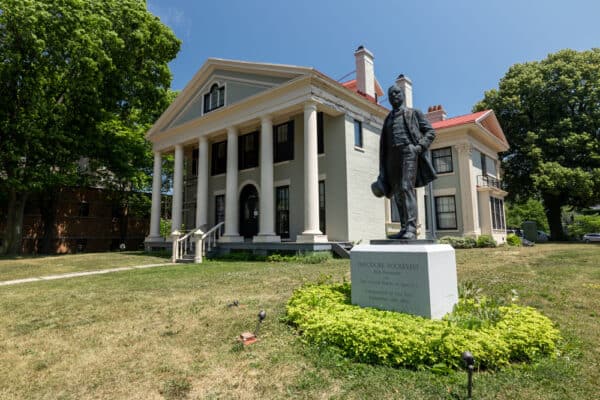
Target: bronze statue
x,y
403,162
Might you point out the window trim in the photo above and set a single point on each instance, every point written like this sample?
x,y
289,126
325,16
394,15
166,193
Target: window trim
x,y
283,152
320,133
217,197
215,162
497,214
243,163
283,235
358,123
438,214
220,99
434,158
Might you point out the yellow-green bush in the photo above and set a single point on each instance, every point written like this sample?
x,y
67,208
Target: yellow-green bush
x,y
325,316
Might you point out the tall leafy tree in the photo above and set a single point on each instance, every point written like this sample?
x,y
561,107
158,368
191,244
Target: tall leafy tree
x,y
79,80
550,112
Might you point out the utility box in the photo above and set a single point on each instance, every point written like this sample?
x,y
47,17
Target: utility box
x,y
530,230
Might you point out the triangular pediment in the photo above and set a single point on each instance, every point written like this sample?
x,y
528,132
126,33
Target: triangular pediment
x,y
239,81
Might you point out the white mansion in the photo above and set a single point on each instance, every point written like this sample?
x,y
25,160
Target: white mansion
x,y
285,153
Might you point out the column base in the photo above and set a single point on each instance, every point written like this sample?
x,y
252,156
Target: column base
x,y
154,243
231,239
266,238
312,238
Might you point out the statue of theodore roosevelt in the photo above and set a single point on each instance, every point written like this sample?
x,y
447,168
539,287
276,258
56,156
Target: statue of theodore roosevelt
x,y
403,163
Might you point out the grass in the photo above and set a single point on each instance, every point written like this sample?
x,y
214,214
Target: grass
x,y
167,332
28,267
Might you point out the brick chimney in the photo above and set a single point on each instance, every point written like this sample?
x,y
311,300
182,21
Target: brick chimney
x,y
436,114
404,83
365,71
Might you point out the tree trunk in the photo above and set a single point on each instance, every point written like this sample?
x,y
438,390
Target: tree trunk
x,y
48,213
13,237
552,205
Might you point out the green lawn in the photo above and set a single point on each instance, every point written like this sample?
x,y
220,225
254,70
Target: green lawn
x,y
167,332
28,267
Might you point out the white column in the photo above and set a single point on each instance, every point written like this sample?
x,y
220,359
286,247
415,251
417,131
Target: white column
x,y
177,189
468,192
311,231
266,221
156,199
202,184
231,190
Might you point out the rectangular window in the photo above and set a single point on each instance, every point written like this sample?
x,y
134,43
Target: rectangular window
x,y
219,158
221,96
442,160
84,209
497,206
320,134
207,103
322,223
483,165
219,208
248,151
283,142
195,162
282,211
445,212
358,134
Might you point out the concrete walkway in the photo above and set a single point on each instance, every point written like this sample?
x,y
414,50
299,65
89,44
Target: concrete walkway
x,y
77,274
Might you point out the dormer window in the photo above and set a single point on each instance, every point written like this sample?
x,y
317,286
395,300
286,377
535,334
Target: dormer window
x,y
215,98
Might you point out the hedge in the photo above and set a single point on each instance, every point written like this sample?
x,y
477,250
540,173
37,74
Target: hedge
x,y
500,334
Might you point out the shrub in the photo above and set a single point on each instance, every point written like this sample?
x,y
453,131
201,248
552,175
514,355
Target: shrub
x,y
513,240
307,258
459,242
486,241
495,334
584,224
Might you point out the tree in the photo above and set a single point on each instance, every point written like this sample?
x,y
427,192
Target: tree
x,y
531,210
79,80
550,112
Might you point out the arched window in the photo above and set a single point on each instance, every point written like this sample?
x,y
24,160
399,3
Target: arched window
x,y
215,98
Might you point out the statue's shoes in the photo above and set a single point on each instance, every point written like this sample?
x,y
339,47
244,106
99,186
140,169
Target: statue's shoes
x,y
409,236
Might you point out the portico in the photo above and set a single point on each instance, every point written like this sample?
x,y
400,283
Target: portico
x,y
233,186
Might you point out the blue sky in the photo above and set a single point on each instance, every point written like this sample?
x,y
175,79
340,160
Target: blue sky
x,y
452,50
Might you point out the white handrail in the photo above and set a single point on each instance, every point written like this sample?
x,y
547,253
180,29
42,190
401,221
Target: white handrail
x,y
209,239
197,242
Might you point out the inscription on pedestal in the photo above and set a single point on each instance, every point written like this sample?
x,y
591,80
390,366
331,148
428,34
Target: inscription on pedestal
x,y
415,279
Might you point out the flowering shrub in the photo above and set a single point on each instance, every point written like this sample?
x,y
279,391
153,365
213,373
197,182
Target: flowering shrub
x,y
496,335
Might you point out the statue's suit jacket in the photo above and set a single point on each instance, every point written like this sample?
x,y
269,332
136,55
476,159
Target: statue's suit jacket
x,y
420,132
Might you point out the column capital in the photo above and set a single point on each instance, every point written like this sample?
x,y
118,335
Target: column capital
x,y
232,130
310,106
203,139
464,147
266,119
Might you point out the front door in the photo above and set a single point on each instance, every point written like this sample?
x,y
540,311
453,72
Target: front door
x,y
249,211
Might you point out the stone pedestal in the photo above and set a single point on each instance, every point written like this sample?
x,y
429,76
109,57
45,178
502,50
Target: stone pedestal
x,y
418,279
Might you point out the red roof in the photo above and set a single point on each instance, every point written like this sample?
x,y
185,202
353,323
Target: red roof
x,y
461,120
490,123
352,86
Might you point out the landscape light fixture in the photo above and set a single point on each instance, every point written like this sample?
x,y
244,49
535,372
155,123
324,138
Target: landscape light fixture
x,y
247,338
470,363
